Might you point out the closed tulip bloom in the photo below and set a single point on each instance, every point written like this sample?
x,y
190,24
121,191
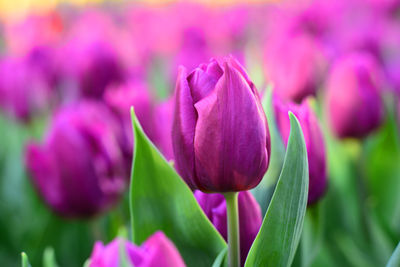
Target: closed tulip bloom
x,y
163,122
314,143
354,105
92,65
295,65
157,251
79,170
250,219
120,99
220,135
24,90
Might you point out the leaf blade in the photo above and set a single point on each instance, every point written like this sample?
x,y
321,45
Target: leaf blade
x,y
395,258
161,200
278,238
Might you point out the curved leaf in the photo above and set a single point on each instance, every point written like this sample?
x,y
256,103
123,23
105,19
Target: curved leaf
x,y
24,259
278,238
161,200
49,258
220,260
394,260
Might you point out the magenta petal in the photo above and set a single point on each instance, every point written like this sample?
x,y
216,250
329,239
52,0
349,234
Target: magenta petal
x,y
201,84
230,139
161,252
183,129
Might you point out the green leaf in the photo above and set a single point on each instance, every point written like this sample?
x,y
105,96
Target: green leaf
x,y
278,238
161,200
124,262
263,192
221,259
394,260
49,258
25,261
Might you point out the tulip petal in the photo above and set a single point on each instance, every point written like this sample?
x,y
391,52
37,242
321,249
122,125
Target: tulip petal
x,y
183,129
161,252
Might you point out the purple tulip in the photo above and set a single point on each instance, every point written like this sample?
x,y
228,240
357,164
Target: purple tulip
x,y
295,65
157,251
24,90
193,51
314,142
120,99
354,105
92,65
220,134
79,170
163,122
250,219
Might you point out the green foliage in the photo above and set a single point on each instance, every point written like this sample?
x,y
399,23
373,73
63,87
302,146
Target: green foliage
x,y
161,200
278,238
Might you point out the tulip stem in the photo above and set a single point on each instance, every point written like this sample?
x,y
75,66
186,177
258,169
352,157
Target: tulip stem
x,y
233,228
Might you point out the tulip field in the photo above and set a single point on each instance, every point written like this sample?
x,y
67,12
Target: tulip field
x,y
223,134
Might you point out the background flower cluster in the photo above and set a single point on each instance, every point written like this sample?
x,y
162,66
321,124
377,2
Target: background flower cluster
x,y
69,76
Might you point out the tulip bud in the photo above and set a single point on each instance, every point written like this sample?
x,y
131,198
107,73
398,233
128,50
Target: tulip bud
x,y
79,170
157,251
220,134
92,65
250,219
295,65
314,143
120,99
355,107
163,123
24,90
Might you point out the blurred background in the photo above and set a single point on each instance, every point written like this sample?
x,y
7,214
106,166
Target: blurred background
x,y
70,70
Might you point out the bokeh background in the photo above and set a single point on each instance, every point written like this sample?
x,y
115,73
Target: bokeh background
x,y
57,56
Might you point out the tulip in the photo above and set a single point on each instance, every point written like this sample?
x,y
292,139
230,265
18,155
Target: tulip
x,y
79,171
250,219
24,90
295,65
163,122
354,105
220,134
120,99
314,143
157,251
193,51
92,65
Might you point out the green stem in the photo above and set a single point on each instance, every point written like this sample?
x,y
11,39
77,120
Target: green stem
x,y
233,228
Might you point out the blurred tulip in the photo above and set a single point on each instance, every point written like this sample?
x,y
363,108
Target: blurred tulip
x,y
92,65
220,134
295,65
250,219
120,99
157,251
163,117
353,100
314,143
24,90
193,51
79,170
